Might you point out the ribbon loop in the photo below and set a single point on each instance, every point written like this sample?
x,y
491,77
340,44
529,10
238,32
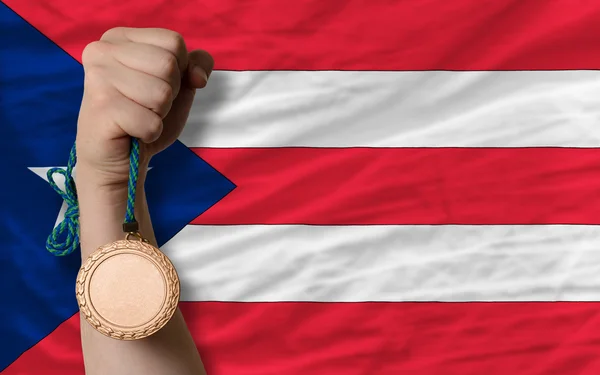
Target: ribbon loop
x,y
69,227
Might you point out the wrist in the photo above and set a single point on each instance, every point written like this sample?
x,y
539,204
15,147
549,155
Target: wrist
x,y
102,204
105,181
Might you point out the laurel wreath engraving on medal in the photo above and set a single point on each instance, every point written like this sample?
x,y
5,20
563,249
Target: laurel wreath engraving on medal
x,y
171,298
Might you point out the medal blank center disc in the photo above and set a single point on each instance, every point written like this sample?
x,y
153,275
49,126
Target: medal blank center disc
x,y
127,290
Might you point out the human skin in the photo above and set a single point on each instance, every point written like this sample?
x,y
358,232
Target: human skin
x,y
138,83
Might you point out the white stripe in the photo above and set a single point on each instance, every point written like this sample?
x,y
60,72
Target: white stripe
x,y
396,109
387,263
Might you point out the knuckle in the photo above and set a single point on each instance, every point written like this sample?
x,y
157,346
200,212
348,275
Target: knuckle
x,y
175,41
94,51
175,86
163,94
168,65
101,100
112,32
153,127
96,89
94,76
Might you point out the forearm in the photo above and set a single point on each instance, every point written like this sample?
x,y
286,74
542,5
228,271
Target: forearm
x,y
169,351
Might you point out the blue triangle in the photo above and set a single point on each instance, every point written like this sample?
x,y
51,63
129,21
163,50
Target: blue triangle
x,y
40,92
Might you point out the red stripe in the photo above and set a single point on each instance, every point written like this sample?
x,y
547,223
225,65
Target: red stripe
x,y
369,338
346,34
406,186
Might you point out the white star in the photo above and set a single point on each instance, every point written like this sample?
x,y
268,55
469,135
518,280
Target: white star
x,y
60,181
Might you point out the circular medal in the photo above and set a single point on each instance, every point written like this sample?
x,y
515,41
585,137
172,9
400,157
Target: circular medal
x,y
127,289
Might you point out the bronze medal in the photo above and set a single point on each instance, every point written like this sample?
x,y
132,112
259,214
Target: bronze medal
x,y
127,289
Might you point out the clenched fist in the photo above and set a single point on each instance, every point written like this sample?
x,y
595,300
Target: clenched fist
x,y
138,83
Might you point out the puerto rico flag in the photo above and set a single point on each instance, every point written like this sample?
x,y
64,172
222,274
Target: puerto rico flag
x,y
364,187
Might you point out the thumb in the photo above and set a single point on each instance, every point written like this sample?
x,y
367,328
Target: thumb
x,y
200,66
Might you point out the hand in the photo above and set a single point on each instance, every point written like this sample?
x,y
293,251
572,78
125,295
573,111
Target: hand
x,y
138,83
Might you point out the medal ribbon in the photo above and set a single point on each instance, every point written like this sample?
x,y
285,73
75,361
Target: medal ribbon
x,y
69,227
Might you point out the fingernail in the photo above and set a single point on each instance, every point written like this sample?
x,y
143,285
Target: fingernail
x,y
197,70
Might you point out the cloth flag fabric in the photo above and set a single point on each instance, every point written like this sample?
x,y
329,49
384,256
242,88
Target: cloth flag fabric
x,y
364,187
